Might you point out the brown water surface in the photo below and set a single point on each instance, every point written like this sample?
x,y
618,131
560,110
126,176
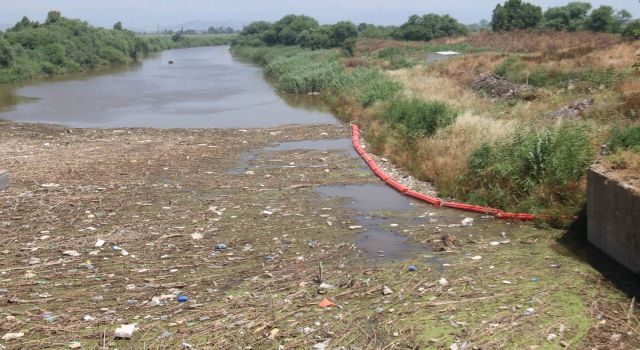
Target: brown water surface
x,y
205,87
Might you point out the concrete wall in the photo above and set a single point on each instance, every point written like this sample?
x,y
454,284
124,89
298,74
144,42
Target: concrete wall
x,y
613,214
4,179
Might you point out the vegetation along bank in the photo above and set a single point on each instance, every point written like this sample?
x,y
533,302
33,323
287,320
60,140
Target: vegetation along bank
x,y
62,45
513,122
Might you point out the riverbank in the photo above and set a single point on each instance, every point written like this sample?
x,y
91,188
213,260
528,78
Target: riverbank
x,y
61,45
450,124
168,199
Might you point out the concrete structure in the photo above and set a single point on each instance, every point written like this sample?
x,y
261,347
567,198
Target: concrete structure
x,y
441,56
4,179
613,214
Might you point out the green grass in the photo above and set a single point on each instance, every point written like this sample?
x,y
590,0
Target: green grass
x,y
532,171
515,70
415,117
625,138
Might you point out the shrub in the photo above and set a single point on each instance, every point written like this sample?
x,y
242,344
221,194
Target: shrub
x,y
513,69
415,117
368,85
625,138
544,164
306,72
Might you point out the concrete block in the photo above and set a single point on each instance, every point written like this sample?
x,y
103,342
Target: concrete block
x,y
613,217
4,179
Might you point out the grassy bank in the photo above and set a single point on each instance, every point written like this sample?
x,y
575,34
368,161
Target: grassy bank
x,y
452,123
61,45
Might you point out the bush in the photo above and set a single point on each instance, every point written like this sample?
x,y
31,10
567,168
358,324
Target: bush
x,y
533,167
306,72
626,138
429,27
368,85
415,117
513,69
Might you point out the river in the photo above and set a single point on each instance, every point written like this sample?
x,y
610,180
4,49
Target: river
x,y
203,88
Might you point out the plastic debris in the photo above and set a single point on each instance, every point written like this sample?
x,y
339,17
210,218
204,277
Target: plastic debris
x,y
125,331
274,332
182,298
322,346
327,286
530,311
412,268
326,303
386,290
70,253
221,246
49,317
12,336
467,222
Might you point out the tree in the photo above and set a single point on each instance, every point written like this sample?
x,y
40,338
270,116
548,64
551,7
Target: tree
x,y
314,39
342,31
290,26
6,53
256,28
118,26
632,30
514,15
570,17
602,19
53,17
429,27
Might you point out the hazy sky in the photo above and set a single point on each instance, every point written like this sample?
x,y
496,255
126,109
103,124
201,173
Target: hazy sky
x,y
149,13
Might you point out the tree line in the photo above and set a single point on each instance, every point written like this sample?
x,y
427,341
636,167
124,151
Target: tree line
x,y
574,16
60,45
306,32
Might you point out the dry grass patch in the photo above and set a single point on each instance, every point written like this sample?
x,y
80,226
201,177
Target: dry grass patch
x,y
443,157
422,82
539,42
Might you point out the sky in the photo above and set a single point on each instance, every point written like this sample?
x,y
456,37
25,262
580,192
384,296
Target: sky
x,y
140,14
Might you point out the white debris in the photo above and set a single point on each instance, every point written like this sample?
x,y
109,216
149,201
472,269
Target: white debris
x,y
477,257
386,290
506,282
196,236
467,222
327,286
12,336
355,227
75,345
125,331
100,243
71,253
89,318
443,282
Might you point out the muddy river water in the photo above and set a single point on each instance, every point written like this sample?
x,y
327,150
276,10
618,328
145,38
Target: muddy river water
x,y
204,88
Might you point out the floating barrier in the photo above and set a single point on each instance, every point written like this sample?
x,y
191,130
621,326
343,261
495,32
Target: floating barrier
x,y
436,202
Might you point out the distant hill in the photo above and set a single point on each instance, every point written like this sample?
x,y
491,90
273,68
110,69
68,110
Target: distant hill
x,y
195,25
